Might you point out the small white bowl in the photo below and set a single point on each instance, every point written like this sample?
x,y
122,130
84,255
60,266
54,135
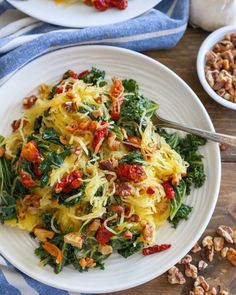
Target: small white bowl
x,y
207,45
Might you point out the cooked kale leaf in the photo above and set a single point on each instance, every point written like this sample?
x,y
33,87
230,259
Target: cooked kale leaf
x,y
133,108
93,76
182,213
134,157
52,160
130,86
51,135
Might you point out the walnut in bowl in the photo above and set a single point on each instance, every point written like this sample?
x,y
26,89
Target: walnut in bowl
x,y
216,66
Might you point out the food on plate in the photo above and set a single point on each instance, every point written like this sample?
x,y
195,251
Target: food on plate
x,y
220,67
87,174
100,4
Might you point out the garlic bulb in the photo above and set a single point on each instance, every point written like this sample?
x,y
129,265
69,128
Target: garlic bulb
x,y
212,14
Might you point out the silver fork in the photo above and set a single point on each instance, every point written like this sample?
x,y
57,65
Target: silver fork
x,y
218,137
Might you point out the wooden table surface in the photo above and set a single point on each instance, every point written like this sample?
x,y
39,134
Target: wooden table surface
x,y
182,60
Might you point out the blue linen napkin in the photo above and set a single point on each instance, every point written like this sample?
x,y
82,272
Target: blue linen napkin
x,y
23,38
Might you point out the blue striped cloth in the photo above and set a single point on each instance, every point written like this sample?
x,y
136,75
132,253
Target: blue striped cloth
x,y
23,38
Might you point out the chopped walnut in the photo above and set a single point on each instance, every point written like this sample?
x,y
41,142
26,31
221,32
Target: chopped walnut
x,y
175,276
207,241
31,201
70,106
63,139
224,251
223,292
186,259
197,291
97,113
234,236
226,232
196,248
74,239
212,291
15,124
218,243
43,234
231,256
29,101
200,281
105,249
94,225
209,252
112,142
87,262
44,89
191,271
128,235
148,232
202,265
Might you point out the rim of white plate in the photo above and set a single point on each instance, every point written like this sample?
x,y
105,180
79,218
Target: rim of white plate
x,y
114,51
68,16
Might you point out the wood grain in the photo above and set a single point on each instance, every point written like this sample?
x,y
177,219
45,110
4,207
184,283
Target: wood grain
x,y
182,60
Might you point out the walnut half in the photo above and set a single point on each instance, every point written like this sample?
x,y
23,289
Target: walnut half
x,y
175,276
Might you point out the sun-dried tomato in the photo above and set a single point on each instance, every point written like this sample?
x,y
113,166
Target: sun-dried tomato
x,y
82,74
103,235
59,89
36,169
71,74
26,179
69,182
117,96
168,188
134,173
120,4
101,4
99,136
150,190
155,249
30,152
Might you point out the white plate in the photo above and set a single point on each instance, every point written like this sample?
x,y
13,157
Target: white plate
x,y
79,15
177,102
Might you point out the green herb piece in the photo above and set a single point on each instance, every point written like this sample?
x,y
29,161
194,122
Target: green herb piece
x,y
134,107
46,220
52,92
38,124
173,139
126,247
182,213
86,109
117,131
130,86
72,198
134,157
52,160
7,201
132,249
93,76
99,192
27,167
51,135
180,191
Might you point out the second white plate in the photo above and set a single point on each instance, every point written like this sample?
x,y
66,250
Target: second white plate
x,y
79,15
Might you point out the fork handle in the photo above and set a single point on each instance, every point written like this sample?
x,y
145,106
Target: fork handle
x,y
217,137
